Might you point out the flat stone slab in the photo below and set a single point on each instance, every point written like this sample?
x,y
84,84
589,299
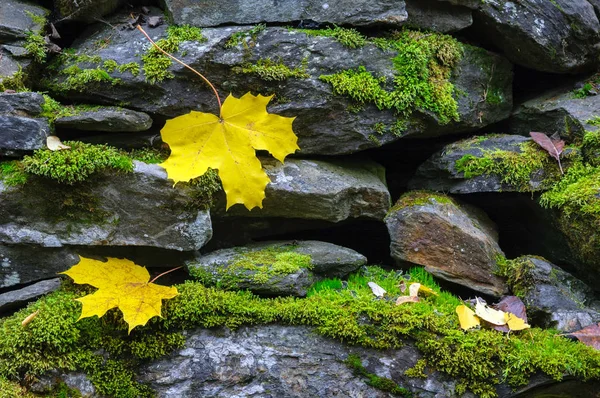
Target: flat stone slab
x,y
14,21
454,242
109,119
18,298
133,209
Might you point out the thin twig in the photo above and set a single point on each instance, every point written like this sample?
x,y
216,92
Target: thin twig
x,y
184,64
164,273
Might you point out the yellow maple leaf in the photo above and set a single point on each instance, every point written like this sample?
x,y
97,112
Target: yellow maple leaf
x,y
123,284
467,317
515,323
228,143
490,315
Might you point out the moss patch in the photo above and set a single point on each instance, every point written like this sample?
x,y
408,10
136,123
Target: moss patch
x,y
518,274
15,82
270,70
35,44
423,65
76,164
350,38
12,173
419,198
156,64
243,36
380,383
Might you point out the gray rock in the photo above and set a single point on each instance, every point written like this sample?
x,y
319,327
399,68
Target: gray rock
x,y
14,21
135,209
439,173
26,264
145,139
325,123
556,112
110,119
85,10
241,267
21,104
473,4
318,190
20,134
18,298
11,68
454,242
557,299
242,12
438,16
559,36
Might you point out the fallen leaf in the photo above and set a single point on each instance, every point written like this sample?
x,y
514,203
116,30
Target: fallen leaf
x,y
402,286
515,323
514,305
490,315
376,289
202,140
54,144
589,335
29,318
123,284
407,299
467,317
413,289
553,145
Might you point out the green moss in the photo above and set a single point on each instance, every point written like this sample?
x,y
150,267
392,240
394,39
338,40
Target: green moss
x,y
15,82
242,36
595,121
149,155
423,65
78,79
348,37
10,389
513,168
12,173
270,70
590,148
110,65
417,371
76,164
325,284
156,64
35,45
203,190
576,193
518,274
380,383
132,67
260,266
420,198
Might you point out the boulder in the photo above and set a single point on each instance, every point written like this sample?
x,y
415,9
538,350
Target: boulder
x,y
109,119
286,268
84,10
18,298
493,163
133,209
239,60
16,21
454,242
437,16
26,264
332,191
20,130
21,104
558,36
243,12
554,298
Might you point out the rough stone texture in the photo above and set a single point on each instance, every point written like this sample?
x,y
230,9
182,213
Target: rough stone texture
x,y
454,242
110,119
324,123
438,16
17,298
146,139
313,189
20,134
26,264
85,10
328,260
473,4
21,104
559,36
439,172
14,21
558,299
134,209
206,13
557,111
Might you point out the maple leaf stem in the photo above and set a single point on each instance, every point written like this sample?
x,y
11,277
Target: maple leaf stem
x,y
184,64
164,273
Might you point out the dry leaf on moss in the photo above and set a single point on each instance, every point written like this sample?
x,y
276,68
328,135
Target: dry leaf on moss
x,y
467,317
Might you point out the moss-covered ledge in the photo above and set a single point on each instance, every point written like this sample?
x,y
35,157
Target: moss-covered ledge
x,y
478,359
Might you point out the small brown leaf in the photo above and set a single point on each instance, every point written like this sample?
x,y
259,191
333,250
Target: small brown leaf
x,y
29,318
554,146
402,286
589,335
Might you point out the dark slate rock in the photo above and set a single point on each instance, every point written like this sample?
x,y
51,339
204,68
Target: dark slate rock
x,y
23,264
135,209
85,10
324,123
10,66
319,190
556,112
557,299
109,119
22,104
18,298
20,134
14,21
559,36
473,4
243,12
454,242
326,260
145,139
437,16
439,172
